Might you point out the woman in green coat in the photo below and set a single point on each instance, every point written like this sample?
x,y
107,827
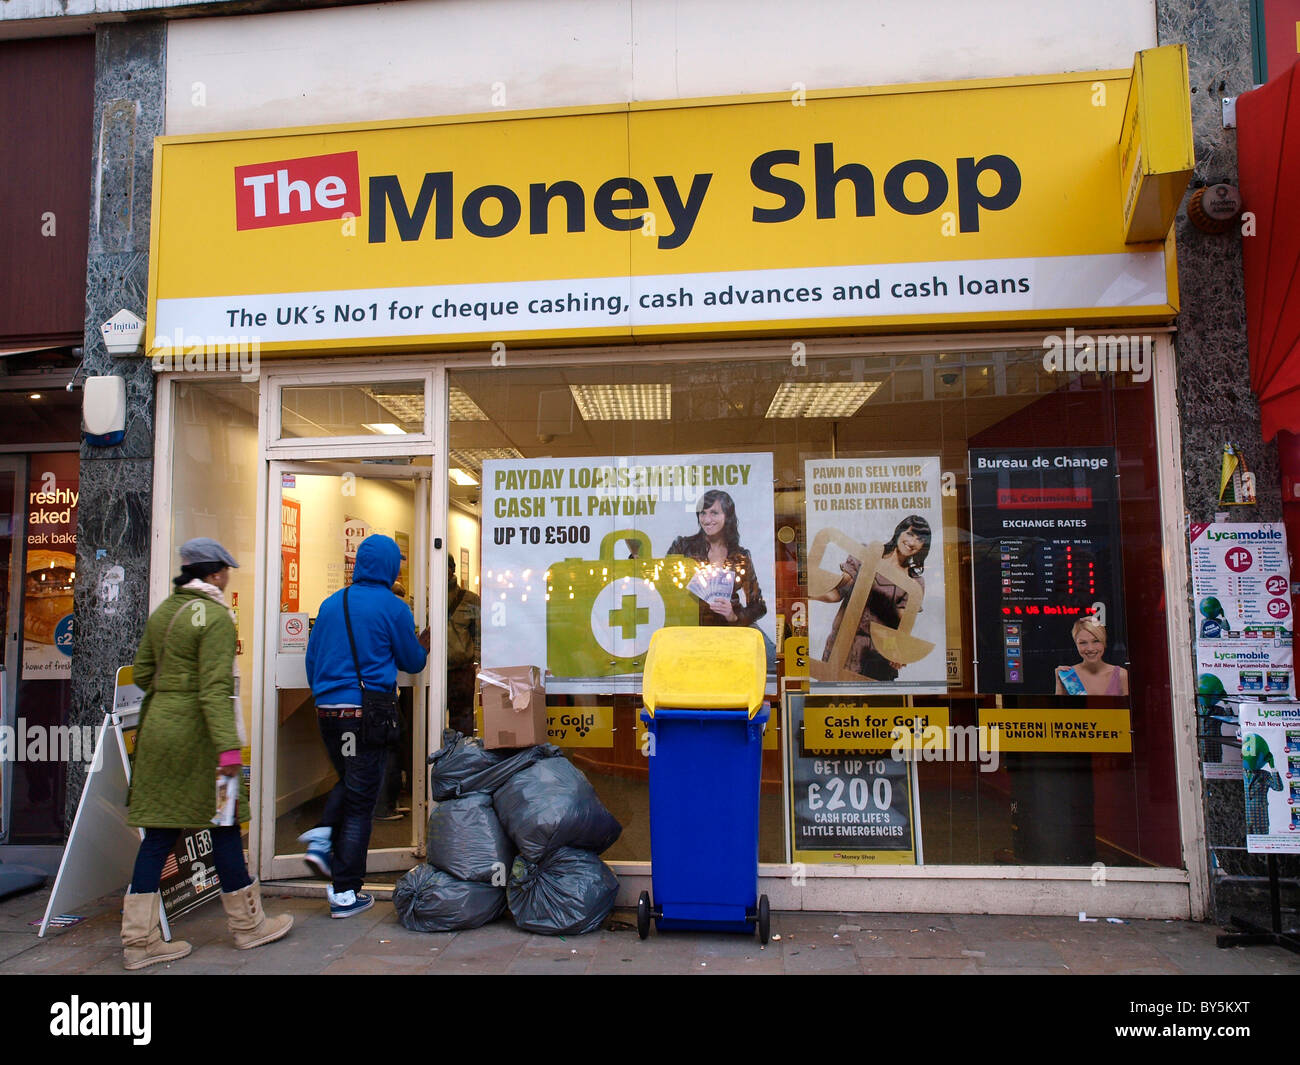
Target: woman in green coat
x,y
191,730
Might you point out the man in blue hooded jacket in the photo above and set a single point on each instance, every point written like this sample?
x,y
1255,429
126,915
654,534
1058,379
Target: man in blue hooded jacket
x,y
384,631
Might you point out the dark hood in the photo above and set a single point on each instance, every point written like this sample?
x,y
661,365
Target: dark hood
x,y
378,560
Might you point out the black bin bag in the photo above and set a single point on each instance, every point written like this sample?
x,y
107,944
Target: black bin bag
x,y
551,804
568,893
429,900
462,766
466,840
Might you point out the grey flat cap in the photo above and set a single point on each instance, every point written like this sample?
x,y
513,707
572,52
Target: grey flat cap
x,y
205,549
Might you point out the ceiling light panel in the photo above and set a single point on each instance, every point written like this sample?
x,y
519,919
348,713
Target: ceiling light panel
x,y
462,408
820,399
472,458
406,406
624,403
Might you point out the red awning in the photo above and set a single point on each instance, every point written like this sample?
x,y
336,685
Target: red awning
x,y
1268,143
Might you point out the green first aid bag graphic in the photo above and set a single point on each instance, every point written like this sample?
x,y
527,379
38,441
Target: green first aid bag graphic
x,y
601,614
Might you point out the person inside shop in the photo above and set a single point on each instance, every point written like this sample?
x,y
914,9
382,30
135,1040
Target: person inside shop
x,y
464,618
191,736
1092,675
725,582
907,551
382,641
400,755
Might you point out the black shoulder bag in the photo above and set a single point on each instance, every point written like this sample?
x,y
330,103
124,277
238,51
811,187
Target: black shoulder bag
x,y
381,726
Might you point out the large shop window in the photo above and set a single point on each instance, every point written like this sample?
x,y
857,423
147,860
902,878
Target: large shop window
x,y
214,493
964,546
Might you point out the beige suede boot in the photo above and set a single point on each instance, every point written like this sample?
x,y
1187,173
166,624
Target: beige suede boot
x,y
248,923
142,941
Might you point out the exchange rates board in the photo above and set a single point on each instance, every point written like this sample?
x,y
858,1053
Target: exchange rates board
x,y
1045,548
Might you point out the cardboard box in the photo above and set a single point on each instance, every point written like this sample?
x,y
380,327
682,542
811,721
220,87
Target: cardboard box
x,y
514,706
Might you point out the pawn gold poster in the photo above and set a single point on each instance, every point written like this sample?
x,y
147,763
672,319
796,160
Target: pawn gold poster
x,y
876,610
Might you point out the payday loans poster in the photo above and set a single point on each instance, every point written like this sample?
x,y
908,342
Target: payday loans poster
x,y
848,807
876,612
578,569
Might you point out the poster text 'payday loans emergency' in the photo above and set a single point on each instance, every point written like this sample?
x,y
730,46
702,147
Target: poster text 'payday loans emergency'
x,y
861,208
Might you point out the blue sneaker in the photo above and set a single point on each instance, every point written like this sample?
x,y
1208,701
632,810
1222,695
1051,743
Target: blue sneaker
x,y
320,851
349,903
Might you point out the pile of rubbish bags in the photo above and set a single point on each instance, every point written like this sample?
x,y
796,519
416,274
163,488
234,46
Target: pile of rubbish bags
x,y
522,829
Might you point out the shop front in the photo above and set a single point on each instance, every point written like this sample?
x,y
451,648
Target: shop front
x,y
42,307
884,374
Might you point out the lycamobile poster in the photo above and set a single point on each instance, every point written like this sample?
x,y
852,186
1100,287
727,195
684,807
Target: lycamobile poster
x,y
584,559
1242,588
876,615
1270,773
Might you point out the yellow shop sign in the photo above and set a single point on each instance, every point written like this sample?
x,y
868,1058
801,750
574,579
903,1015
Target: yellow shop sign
x,y
1156,153
580,726
956,203
857,726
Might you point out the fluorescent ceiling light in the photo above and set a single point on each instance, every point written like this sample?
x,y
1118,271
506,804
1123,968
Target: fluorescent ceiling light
x,y
462,408
820,399
624,403
403,402
472,458
406,403
384,428
461,477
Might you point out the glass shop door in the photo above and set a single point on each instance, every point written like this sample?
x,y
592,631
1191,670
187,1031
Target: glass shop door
x,y
322,511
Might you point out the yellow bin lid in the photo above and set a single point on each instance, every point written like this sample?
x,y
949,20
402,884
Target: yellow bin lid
x,y
713,667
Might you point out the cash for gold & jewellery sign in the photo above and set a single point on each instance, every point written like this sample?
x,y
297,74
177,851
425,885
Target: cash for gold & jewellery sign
x,y
870,209
853,725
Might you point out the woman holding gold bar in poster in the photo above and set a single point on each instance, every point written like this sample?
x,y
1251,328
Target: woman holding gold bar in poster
x,y
897,587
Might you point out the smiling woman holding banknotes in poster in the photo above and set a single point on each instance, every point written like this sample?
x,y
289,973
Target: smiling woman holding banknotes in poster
x,y
726,584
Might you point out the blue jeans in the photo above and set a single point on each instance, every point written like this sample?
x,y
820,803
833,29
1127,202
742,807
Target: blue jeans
x,y
350,805
227,855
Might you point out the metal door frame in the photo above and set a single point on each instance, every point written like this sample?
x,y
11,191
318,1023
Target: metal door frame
x,y
288,866
13,650
430,532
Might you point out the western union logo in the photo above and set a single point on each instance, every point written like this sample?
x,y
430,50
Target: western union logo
x,y
1058,730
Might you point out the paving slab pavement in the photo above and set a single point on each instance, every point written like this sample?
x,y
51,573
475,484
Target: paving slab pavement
x,y
805,943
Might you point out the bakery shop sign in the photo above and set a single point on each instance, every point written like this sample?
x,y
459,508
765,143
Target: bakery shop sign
x,y
51,568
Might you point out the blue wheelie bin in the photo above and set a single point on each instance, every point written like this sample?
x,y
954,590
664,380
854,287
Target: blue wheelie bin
x,y
705,712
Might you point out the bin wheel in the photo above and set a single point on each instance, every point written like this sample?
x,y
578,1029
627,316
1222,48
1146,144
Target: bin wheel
x,y
643,915
764,920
